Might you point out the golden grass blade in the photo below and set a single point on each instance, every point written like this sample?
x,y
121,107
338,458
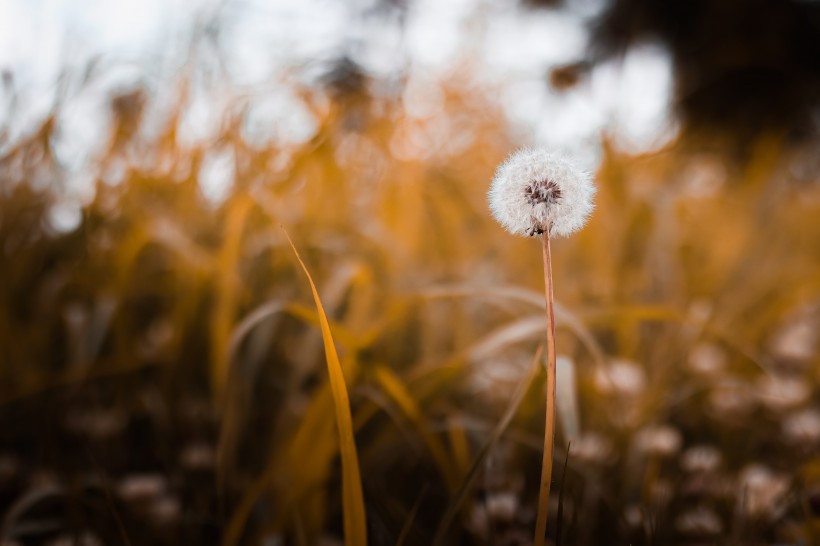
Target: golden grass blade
x,y
563,316
227,294
355,524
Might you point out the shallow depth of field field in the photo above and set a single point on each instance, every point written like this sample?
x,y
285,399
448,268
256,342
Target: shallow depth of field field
x,y
163,372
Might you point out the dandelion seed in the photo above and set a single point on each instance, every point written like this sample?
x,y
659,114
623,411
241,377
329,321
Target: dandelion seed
x,y
535,191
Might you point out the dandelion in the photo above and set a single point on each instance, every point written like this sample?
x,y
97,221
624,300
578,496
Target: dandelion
x,y
198,456
699,522
592,448
732,401
502,506
701,459
707,359
795,341
139,488
802,427
779,393
762,491
165,510
535,192
658,441
622,377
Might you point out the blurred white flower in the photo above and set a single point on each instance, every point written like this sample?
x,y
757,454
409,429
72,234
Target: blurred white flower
x,y
795,341
762,491
621,377
732,401
707,359
660,441
502,506
141,487
699,522
780,393
535,191
701,459
802,427
592,448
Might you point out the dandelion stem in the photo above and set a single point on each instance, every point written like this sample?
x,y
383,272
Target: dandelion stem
x,y
549,431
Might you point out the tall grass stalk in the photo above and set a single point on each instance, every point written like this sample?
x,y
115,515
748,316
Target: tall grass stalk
x,y
355,522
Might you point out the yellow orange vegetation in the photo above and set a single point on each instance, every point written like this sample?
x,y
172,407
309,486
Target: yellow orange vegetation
x,y
436,312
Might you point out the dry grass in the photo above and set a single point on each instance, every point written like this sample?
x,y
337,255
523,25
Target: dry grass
x,y
162,372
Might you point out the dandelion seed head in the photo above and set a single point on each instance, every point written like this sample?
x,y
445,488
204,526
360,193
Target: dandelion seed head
x,y
535,191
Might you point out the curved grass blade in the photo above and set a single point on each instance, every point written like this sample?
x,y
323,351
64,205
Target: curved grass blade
x,y
355,526
498,431
411,517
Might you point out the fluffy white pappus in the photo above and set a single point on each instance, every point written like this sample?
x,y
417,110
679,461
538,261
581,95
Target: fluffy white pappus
x,y
536,190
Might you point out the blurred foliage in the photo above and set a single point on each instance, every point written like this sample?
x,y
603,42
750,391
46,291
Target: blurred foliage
x,y
742,68
162,375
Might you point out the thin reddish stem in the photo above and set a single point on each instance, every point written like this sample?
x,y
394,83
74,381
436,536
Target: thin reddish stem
x,y
549,431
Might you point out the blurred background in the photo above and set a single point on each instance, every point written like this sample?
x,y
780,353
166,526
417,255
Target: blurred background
x,y
162,372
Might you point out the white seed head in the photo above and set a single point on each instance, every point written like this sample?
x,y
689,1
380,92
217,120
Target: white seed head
x,y
763,490
535,191
660,440
701,459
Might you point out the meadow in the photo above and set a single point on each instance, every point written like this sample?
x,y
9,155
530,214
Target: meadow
x,y
163,372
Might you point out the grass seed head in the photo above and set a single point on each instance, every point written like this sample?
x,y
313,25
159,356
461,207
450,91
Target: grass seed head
x,y
535,191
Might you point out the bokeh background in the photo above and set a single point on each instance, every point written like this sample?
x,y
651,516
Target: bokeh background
x,y
162,372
